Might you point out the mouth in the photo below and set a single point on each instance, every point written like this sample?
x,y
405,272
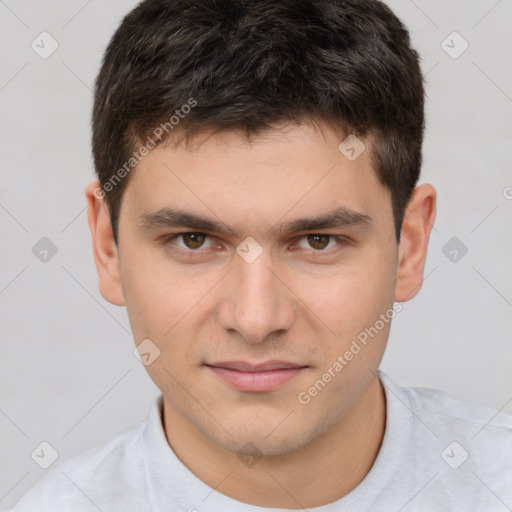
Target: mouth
x,y
260,377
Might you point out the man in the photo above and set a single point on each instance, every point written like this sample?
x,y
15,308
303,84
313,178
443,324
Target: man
x,y
256,211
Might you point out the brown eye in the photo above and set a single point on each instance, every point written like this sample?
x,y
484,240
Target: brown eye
x,y
321,243
193,240
318,242
190,241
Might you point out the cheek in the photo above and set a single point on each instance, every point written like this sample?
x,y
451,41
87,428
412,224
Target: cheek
x,y
158,294
161,308
168,307
349,300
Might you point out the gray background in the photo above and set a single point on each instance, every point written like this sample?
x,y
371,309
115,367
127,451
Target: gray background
x,y
67,371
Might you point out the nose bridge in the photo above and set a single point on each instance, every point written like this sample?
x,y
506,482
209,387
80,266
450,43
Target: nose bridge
x,y
257,303
256,282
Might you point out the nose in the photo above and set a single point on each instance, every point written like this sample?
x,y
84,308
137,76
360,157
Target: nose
x,y
256,302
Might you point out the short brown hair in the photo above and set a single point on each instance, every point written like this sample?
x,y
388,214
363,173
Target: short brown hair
x,y
246,65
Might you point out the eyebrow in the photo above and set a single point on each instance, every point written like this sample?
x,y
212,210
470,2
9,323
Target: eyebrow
x,y
172,218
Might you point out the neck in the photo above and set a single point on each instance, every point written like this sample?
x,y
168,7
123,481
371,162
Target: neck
x,y
321,472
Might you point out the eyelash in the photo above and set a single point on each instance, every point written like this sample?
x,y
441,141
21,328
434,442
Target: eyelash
x,y
342,241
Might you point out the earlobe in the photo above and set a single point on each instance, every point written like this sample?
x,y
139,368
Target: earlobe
x,y
412,251
105,251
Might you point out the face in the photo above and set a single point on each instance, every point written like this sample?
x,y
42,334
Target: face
x,y
258,284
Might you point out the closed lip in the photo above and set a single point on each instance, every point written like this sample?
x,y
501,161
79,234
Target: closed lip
x,y
266,366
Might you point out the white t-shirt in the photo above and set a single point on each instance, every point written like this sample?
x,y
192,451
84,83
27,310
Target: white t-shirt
x,y
438,454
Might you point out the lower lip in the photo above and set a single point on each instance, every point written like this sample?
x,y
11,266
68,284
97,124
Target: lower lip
x,y
256,381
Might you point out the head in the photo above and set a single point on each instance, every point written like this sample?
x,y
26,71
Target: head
x,y
284,139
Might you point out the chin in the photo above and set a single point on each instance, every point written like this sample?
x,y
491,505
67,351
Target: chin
x,y
256,443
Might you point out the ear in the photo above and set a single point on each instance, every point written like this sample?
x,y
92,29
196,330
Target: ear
x,y
412,251
106,254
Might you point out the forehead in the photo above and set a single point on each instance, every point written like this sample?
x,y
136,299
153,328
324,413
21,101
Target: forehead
x,y
296,172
